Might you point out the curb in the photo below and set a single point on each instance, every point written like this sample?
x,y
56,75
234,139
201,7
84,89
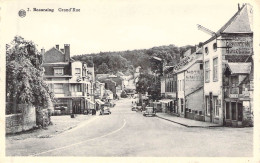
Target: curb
x,y
187,125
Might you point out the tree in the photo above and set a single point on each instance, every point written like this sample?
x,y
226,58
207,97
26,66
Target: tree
x,y
150,84
24,75
103,69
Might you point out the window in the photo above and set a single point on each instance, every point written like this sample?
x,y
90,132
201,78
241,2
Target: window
x,y
76,88
207,105
183,85
58,71
201,66
233,109
200,112
234,80
215,69
215,105
179,85
77,71
206,50
182,105
207,70
215,46
227,111
58,88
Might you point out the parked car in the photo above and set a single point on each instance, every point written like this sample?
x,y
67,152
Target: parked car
x,y
149,111
105,110
134,108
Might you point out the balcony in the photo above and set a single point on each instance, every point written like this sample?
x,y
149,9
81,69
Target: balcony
x,y
235,93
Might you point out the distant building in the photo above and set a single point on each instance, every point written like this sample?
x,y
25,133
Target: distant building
x,y
168,90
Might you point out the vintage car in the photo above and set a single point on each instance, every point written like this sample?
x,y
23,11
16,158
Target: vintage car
x,y
149,111
134,108
105,110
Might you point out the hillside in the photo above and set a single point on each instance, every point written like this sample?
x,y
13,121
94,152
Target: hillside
x,y
127,61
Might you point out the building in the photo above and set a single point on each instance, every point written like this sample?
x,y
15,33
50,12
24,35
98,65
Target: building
x,y
238,94
190,89
99,90
69,80
168,90
233,43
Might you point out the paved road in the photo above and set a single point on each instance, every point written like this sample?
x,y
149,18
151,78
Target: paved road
x,y
127,133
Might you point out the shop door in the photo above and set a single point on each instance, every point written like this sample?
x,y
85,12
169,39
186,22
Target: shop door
x,y
211,106
171,107
234,110
240,111
76,107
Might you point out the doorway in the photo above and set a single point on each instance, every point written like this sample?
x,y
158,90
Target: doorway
x,y
76,107
240,111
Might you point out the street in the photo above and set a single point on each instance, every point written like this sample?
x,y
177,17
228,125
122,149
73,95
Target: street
x,y
129,133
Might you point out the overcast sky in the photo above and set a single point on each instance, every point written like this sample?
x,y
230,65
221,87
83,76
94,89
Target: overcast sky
x,y
115,25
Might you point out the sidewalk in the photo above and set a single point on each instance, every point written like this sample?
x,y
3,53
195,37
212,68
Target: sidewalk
x,y
186,122
60,124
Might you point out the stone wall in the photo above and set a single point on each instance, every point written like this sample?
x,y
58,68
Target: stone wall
x,y
22,121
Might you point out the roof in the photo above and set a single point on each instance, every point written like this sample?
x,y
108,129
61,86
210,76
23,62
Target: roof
x,y
239,68
198,60
157,58
120,74
112,76
241,22
54,48
197,89
168,68
98,76
57,63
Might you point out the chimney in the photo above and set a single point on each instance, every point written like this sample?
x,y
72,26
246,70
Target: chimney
x,y
57,47
238,5
67,52
62,50
42,51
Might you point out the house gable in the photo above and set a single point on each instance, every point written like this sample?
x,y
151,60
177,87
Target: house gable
x,y
54,55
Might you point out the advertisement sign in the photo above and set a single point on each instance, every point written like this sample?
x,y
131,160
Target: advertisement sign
x,y
239,45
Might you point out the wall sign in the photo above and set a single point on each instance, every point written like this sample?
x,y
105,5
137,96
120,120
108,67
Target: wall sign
x,y
239,45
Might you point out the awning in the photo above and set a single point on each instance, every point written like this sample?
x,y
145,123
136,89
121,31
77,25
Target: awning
x,y
165,100
89,101
99,102
239,68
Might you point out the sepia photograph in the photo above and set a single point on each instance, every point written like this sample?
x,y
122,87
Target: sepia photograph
x,y
129,79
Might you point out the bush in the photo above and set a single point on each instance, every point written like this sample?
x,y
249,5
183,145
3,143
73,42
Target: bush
x,y
43,118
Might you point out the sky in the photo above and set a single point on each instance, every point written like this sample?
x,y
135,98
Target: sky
x,y
115,25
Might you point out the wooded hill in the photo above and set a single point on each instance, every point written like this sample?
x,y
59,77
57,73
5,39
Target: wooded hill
x,y
127,61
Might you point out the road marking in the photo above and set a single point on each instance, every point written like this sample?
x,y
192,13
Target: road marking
x,y
80,125
61,148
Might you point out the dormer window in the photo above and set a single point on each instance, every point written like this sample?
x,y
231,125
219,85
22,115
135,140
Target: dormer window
x,y
77,71
58,71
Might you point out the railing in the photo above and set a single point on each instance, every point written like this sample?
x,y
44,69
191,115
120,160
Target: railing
x,y
234,92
